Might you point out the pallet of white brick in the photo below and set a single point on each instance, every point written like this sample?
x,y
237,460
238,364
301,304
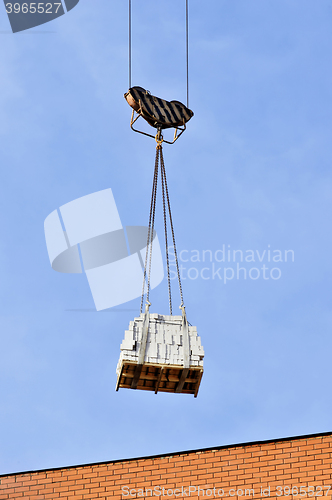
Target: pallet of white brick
x,y
163,366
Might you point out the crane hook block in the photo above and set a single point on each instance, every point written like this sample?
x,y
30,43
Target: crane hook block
x,y
157,112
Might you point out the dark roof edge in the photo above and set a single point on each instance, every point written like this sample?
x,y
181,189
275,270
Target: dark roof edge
x,y
174,453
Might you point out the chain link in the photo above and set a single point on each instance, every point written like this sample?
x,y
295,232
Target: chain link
x,y
150,237
166,205
163,174
166,242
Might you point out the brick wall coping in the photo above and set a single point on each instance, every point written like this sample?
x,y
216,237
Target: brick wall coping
x,y
176,453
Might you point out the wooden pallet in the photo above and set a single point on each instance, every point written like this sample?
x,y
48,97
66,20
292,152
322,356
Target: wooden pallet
x,y
158,377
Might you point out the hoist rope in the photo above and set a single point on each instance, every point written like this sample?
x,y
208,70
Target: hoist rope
x,y
129,43
187,50
149,246
187,46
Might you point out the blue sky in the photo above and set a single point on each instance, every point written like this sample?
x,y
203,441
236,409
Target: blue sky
x,y
252,170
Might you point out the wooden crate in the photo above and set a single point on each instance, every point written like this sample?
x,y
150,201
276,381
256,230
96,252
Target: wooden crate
x,y
159,377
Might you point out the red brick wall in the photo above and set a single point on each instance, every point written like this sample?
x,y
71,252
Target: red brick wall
x,y
303,462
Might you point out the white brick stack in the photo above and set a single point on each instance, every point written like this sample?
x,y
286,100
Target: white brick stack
x,y
164,344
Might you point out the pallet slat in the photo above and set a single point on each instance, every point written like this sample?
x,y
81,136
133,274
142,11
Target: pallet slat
x,y
159,378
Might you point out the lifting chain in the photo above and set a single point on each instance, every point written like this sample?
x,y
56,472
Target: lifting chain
x,y
159,160
163,173
150,230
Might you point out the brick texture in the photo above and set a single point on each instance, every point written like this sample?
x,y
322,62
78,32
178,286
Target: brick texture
x,y
295,468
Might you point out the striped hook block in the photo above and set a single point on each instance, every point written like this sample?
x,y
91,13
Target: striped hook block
x,y
158,112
